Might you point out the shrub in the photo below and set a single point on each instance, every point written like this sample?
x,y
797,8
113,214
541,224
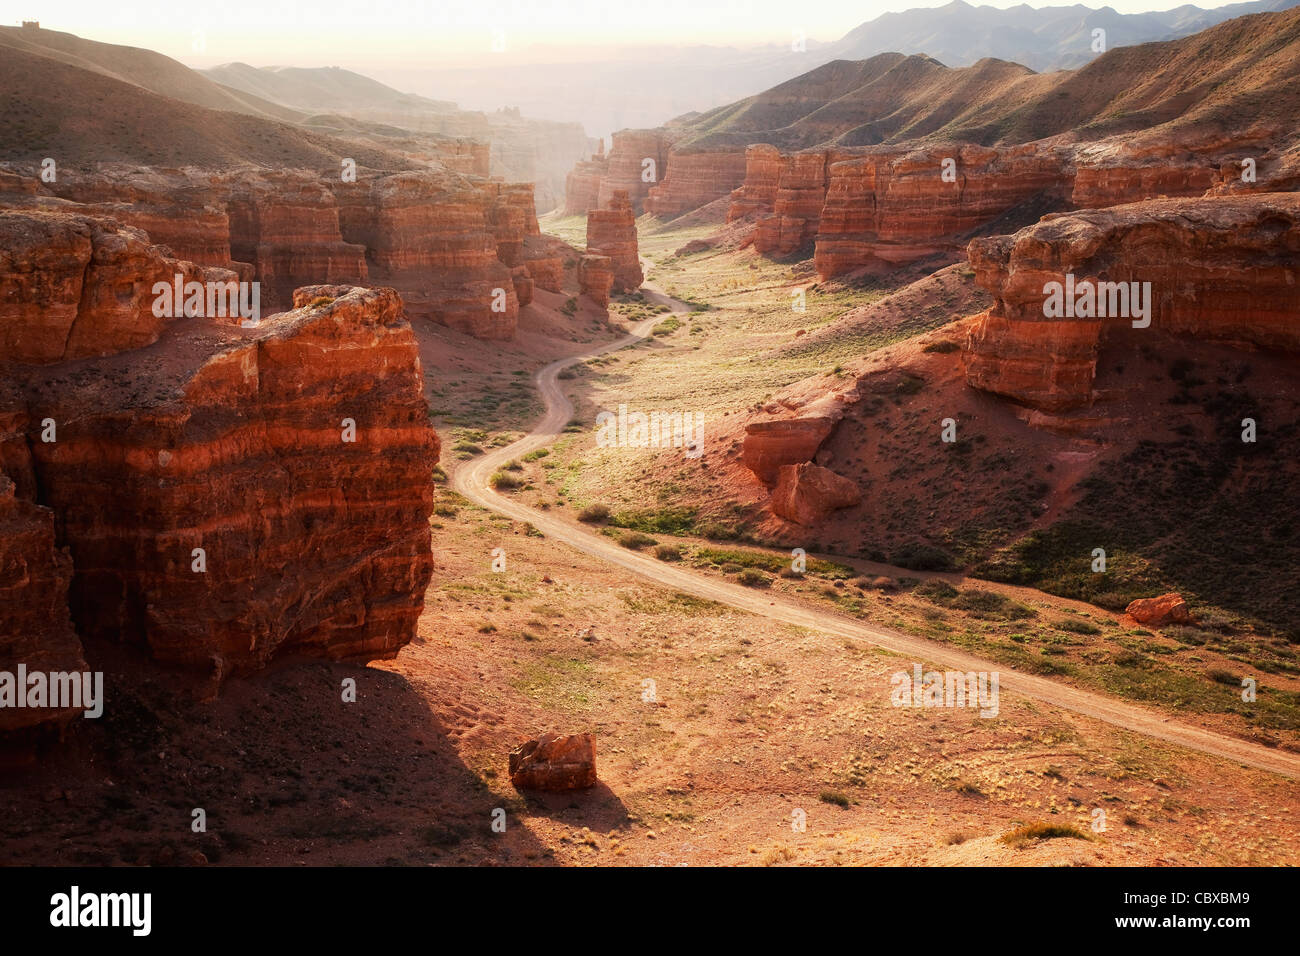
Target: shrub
x,y
943,348
635,540
1077,627
835,797
752,577
593,514
536,454
1042,831
668,552
922,557
504,480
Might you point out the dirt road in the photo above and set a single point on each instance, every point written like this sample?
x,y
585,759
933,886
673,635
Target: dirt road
x,y
472,481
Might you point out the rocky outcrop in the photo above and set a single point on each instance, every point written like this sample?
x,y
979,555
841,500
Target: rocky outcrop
x,y
807,493
554,762
596,278
446,241
286,223
35,628
612,232
893,206
523,285
638,159
797,202
1223,268
73,286
785,441
436,238
693,179
582,184
757,193
1159,611
229,495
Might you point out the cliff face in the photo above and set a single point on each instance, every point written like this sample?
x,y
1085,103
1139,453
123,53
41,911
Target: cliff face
x,y
73,286
612,232
35,629
1221,268
893,206
297,455
694,179
437,240
287,225
596,278
637,160
444,240
582,183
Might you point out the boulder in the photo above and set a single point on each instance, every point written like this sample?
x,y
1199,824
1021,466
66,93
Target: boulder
x,y
554,762
807,493
1158,611
784,441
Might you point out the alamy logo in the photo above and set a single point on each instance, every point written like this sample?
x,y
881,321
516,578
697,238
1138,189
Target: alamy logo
x,y
946,689
208,300
655,430
1096,299
74,909
60,690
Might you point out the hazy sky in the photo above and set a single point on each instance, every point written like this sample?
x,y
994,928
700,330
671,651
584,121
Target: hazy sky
x,y
429,33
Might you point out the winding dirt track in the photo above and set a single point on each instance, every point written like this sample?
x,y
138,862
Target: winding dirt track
x,y
472,481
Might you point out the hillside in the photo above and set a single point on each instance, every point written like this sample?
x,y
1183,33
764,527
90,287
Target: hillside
x,y
145,68
1239,71
49,107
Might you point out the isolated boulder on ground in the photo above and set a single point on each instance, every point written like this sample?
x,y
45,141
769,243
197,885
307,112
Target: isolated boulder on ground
x,y
554,762
1166,609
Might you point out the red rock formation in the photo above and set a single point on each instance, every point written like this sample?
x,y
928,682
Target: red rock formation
x,y
151,199
430,235
35,628
1158,611
757,194
239,442
892,205
612,232
638,159
1221,268
523,285
1114,172
596,278
806,493
582,184
785,441
286,224
554,762
73,286
694,179
545,258
444,240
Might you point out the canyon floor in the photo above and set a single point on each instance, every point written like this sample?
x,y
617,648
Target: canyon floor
x,y
715,727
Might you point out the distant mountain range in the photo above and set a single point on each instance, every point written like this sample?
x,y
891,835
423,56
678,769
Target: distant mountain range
x,y
644,86
1041,38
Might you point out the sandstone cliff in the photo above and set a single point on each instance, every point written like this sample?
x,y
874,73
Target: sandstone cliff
x,y
446,241
214,495
693,179
612,232
1222,269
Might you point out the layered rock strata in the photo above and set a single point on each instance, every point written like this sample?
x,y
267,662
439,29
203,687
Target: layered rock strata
x,y
1223,268
612,232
